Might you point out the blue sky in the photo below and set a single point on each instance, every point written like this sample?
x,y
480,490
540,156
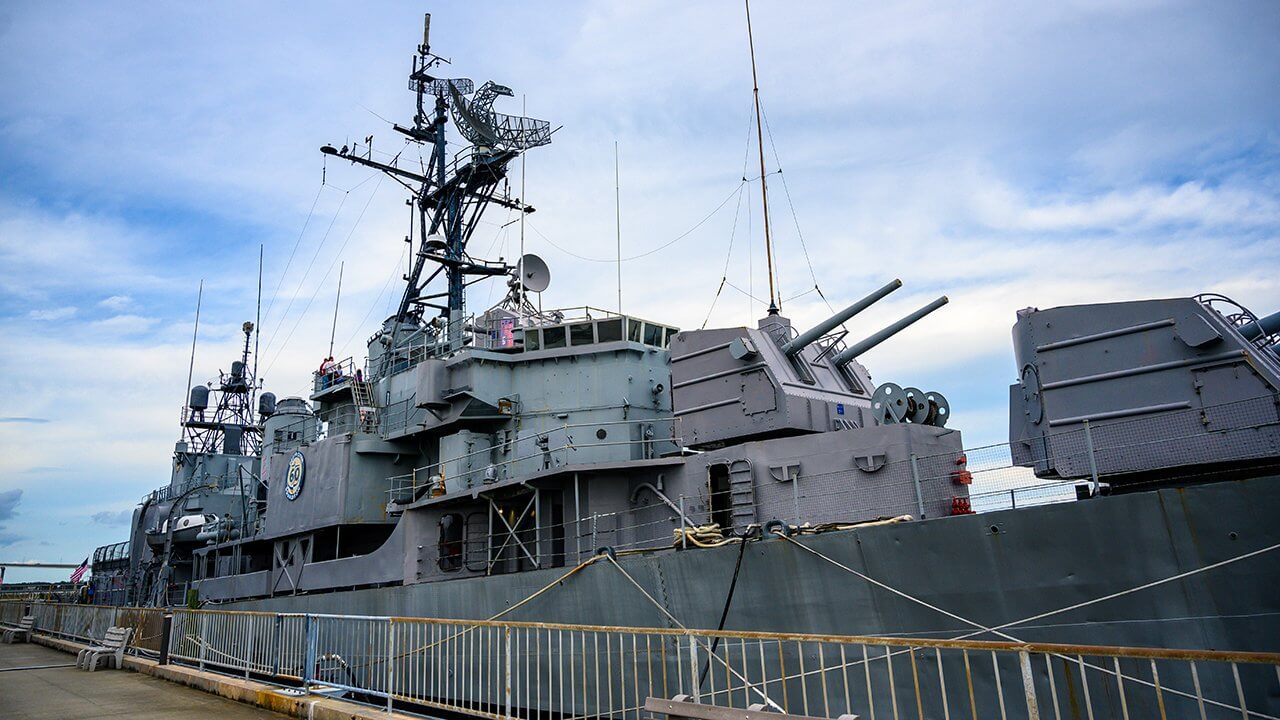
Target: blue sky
x,y
1006,154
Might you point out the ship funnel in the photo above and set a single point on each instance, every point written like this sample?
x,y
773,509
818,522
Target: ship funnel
x,y
1265,326
854,351
807,337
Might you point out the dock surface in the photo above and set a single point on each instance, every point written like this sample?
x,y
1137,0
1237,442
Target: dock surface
x,y
38,682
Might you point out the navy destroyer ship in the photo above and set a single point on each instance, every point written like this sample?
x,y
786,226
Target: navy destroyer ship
x,y
471,459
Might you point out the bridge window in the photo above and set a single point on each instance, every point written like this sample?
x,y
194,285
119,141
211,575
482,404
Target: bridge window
x,y
633,330
553,337
653,334
581,334
532,339
609,330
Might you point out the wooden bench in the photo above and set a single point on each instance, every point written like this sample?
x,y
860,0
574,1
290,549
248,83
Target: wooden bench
x,y
683,707
22,632
111,649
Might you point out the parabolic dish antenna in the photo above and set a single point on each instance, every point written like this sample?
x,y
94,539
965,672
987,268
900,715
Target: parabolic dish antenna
x,y
535,275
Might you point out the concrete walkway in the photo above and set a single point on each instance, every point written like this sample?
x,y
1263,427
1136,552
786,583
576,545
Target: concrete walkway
x,y
65,692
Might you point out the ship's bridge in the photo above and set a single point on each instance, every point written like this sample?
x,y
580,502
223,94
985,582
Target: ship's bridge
x,y
578,327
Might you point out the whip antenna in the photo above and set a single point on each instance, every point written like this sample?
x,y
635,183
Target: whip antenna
x,y
336,300
764,188
191,367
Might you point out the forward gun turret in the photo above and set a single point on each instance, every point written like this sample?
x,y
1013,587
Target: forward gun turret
x,y
848,354
804,339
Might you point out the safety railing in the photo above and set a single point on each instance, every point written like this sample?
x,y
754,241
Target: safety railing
x,y
506,669
333,374
89,623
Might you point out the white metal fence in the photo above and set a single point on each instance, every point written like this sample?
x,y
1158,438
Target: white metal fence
x,y
499,670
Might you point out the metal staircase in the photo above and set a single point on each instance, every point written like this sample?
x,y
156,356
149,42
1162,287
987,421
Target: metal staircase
x,y
362,397
742,494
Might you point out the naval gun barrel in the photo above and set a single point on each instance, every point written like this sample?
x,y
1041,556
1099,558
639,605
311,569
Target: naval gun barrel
x,y
807,337
854,351
1264,326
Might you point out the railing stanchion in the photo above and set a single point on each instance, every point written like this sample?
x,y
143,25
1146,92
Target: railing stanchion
x,y
695,682
684,535
795,495
1093,462
506,672
309,662
204,638
391,659
248,660
915,480
166,636
275,660
1028,685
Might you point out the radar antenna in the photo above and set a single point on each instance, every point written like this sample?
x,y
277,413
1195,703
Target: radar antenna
x,y
483,127
451,194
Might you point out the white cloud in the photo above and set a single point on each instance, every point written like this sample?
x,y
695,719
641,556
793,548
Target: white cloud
x,y
1141,207
61,313
117,302
126,324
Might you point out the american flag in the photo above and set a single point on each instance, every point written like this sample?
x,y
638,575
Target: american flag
x,y
80,571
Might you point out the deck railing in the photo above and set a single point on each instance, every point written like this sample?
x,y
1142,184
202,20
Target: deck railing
x,y
505,669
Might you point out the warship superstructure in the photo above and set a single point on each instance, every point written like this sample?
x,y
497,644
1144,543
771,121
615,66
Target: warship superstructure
x,y
470,458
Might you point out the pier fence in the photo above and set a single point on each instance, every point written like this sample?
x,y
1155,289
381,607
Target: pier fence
x,y
509,669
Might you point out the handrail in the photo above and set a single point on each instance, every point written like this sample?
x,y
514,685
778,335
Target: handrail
x,y
1155,653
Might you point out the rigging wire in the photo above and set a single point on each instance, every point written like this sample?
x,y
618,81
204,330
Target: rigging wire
x,y
795,218
307,273
747,684
323,239
294,252
744,292
320,284
997,630
374,305
733,231
647,253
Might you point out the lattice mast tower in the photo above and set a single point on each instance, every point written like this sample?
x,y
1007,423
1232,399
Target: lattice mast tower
x,y
451,194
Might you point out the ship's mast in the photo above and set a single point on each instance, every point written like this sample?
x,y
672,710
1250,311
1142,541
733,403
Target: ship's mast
x,y
764,187
450,196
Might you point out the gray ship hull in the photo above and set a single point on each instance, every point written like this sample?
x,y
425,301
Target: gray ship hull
x,y
993,568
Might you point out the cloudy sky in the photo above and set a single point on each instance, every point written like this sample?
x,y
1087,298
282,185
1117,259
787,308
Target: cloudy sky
x,y
1005,154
